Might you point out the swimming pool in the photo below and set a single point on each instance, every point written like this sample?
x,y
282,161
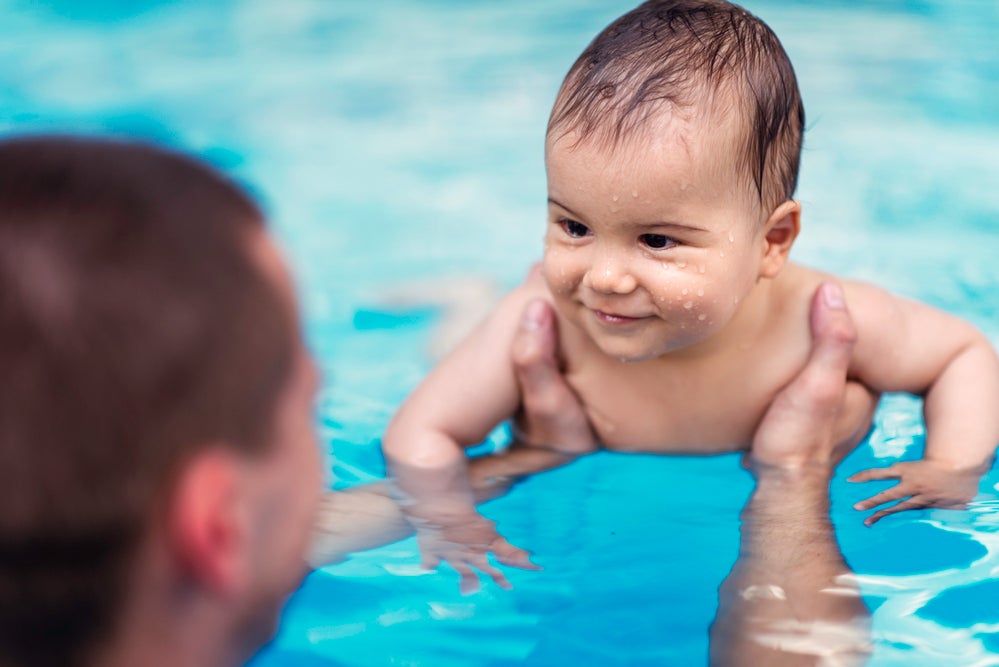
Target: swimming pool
x,y
404,143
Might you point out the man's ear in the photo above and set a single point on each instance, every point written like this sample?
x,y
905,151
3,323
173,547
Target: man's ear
x,y
206,522
779,233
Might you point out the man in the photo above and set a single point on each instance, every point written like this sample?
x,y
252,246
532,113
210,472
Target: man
x,y
158,469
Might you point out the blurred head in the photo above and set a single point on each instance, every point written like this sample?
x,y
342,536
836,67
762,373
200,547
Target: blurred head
x,y
152,358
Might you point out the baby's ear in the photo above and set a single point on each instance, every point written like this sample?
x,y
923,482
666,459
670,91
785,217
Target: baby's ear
x,y
779,233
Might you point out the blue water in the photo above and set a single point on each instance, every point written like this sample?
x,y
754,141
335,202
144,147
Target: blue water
x,y
402,141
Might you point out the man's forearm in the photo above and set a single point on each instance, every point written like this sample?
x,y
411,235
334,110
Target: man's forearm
x,y
787,600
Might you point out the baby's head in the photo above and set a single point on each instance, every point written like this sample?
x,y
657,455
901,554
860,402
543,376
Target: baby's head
x,y
672,155
689,58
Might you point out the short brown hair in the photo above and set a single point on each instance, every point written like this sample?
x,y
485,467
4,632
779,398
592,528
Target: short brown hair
x,y
135,327
670,52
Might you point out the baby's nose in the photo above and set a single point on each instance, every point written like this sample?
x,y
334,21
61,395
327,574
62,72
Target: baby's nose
x,y
611,275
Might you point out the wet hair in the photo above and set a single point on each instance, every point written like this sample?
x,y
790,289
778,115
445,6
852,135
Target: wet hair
x,y
136,329
678,54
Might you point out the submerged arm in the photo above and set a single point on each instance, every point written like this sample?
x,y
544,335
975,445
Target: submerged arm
x,y
789,599
367,516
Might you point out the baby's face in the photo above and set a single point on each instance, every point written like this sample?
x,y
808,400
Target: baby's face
x,y
651,246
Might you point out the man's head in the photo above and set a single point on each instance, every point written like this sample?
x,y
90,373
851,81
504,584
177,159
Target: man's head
x,y
154,402
672,152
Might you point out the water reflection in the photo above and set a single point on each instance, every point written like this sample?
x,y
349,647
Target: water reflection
x,y
791,598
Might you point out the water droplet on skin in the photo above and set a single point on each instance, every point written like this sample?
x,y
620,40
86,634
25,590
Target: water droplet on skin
x,y
731,237
702,317
722,254
688,305
700,292
681,264
684,291
614,209
634,194
615,198
701,269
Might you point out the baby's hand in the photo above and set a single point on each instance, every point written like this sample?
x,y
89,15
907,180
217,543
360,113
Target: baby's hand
x,y
921,484
464,541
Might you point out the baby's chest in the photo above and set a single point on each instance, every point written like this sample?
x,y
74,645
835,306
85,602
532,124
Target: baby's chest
x,y
713,413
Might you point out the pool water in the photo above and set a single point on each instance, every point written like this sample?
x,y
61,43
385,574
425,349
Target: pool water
x,y
401,142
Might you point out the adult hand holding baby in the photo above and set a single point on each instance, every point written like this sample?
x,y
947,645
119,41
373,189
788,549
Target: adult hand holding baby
x,y
819,416
814,422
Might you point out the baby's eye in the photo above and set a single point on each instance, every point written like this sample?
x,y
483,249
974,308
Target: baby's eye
x,y
576,230
657,241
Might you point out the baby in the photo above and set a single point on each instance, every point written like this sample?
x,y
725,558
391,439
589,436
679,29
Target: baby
x,y
672,156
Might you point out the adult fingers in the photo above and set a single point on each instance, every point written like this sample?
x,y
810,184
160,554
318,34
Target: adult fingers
x,y
833,331
855,417
552,415
818,389
800,423
533,356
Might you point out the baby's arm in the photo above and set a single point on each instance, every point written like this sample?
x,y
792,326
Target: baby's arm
x,y
366,516
907,346
458,404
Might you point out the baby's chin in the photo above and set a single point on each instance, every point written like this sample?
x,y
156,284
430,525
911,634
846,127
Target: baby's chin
x,y
630,354
633,351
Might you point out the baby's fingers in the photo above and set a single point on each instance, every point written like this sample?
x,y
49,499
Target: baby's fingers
x,y
429,561
888,495
469,580
874,474
482,563
513,556
909,504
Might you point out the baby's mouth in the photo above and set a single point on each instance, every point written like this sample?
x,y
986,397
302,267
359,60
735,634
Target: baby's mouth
x,y
614,319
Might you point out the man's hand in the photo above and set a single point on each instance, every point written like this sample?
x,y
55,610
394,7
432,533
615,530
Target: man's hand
x,y
551,416
819,416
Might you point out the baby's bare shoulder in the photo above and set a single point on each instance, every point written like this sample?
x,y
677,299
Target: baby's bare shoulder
x,y
513,302
799,283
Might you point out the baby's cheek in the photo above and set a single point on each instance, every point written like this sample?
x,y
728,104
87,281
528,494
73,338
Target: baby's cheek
x,y
557,270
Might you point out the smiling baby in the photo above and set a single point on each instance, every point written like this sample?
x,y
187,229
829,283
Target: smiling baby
x,y
672,157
